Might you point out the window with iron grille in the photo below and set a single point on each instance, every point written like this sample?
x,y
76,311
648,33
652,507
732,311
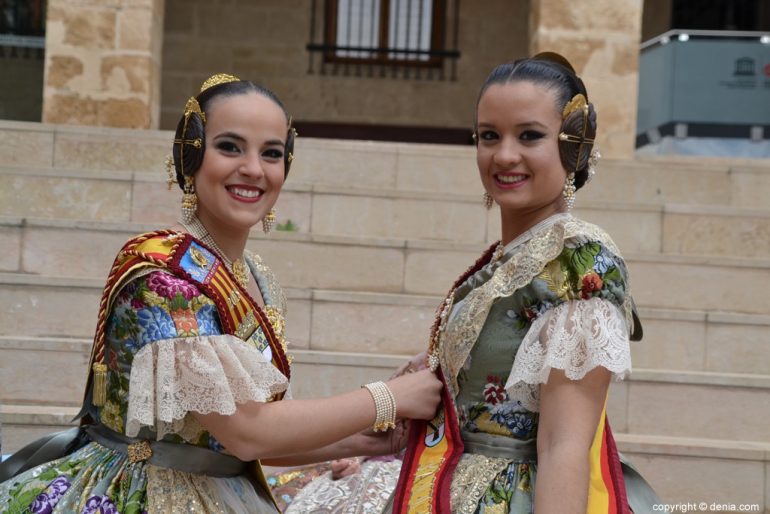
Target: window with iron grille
x,y
22,28
384,33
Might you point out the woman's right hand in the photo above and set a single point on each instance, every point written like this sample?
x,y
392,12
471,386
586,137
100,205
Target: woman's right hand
x,y
417,394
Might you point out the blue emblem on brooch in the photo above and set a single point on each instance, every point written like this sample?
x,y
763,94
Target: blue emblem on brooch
x,y
198,262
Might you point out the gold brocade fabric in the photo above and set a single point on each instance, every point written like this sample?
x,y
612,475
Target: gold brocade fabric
x,y
173,492
471,479
520,269
274,290
276,310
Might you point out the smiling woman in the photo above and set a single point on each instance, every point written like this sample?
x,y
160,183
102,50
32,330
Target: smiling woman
x,y
531,335
189,382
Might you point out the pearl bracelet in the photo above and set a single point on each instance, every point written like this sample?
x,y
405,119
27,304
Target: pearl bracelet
x,y
384,405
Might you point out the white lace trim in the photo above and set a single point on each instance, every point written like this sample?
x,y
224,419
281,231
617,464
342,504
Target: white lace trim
x,y
576,336
172,377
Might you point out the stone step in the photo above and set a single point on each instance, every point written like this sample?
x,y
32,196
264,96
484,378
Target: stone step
x,y
387,265
686,403
682,470
385,213
702,475
731,342
404,166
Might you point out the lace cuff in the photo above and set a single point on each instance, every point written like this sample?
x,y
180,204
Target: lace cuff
x,y
576,336
172,377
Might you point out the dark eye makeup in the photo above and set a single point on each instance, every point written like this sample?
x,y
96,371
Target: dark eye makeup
x,y
273,153
227,146
488,135
531,135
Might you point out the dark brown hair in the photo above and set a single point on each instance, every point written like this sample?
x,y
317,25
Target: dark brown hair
x,y
555,73
195,129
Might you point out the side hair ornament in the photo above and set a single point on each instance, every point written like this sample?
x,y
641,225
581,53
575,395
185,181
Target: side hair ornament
x,y
578,109
192,107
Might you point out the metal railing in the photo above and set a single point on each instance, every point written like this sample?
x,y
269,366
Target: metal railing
x,y
685,35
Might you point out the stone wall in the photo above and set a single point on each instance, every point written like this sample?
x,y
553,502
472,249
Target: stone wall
x,y
602,43
265,41
102,62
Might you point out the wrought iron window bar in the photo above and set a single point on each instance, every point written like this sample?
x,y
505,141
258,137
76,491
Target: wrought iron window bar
x,y
437,63
22,28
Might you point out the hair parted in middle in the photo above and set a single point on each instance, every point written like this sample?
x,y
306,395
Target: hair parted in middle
x,y
190,136
555,73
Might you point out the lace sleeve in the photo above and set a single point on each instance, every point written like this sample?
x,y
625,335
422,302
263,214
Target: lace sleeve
x,y
172,377
576,337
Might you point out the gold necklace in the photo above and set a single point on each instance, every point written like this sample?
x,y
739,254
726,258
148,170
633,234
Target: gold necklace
x,y
238,267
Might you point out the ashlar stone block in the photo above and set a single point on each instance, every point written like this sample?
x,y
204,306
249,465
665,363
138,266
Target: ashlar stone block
x,y
717,234
10,242
32,148
692,480
738,347
698,410
332,266
370,327
62,252
51,197
48,310
60,374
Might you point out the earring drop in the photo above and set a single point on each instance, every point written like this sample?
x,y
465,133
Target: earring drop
x,y
189,200
171,172
569,191
268,221
488,200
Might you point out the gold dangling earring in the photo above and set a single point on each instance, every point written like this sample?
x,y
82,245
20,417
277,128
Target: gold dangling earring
x,y
189,200
488,200
569,191
268,221
171,172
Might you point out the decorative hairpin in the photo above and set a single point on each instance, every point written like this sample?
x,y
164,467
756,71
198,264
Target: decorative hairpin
x,y
219,78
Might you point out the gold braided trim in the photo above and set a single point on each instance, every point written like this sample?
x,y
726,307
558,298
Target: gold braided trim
x,y
471,480
96,368
519,270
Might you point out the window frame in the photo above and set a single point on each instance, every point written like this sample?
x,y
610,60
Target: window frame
x,y
438,29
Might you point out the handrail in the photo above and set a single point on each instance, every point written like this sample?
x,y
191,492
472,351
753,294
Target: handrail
x,y
733,34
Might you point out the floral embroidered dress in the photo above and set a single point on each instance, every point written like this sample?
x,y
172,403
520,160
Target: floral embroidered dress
x,y
558,298
167,355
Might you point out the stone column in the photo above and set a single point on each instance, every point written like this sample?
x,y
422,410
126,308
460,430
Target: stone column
x,y
601,39
102,62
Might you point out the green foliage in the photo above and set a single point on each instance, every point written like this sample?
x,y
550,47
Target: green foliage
x,y
289,226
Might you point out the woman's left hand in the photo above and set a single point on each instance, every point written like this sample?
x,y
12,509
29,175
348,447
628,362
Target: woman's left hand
x,y
342,468
384,443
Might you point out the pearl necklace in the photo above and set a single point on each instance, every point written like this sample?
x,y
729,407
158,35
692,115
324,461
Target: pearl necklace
x,y
238,267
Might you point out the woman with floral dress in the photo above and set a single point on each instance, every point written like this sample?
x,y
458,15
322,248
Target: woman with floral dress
x,y
188,389
529,338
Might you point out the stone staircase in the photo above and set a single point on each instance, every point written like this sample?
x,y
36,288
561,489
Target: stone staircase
x,y
382,231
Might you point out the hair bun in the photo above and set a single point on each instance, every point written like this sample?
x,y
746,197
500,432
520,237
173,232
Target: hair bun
x,y
557,58
578,131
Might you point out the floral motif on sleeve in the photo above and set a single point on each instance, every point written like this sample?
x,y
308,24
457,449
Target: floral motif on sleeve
x,y
584,270
153,307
